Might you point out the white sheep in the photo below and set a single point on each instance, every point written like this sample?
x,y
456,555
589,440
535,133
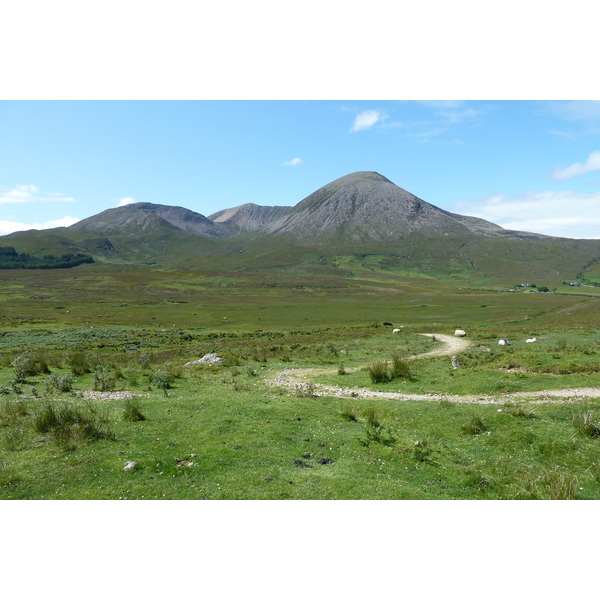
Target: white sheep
x,y
460,333
397,330
503,343
530,340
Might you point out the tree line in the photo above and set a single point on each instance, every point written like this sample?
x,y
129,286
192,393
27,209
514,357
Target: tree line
x,y
11,259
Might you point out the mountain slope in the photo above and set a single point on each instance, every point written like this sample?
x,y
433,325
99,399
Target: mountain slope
x,y
145,215
247,217
367,206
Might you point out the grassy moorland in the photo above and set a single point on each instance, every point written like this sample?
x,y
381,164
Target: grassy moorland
x,y
92,378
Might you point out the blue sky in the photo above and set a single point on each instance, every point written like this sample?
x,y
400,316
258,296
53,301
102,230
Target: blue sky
x,y
529,165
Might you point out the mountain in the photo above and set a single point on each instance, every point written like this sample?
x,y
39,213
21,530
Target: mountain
x,y
367,206
142,216
360,225
247,217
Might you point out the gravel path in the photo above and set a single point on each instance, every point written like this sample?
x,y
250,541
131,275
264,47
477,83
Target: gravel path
x,y
296,378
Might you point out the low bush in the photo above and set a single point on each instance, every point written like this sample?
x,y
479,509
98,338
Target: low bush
x,y
379,373
69,425
475,425
132,411
586,424
60,383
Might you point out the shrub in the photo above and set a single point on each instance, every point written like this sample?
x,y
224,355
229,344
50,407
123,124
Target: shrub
x,y
69,425
372,416
60,383
349,413
162,380
132,411
79,363
523,412
379,373
104,379
422,451
305,390
10,411
585,423
22,366
474,426
400,369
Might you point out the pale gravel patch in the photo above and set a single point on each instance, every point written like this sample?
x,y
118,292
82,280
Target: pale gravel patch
x,y
123,395
292,378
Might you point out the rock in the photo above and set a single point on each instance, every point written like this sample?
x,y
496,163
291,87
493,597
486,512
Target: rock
x,y
206,359
130,464
455,363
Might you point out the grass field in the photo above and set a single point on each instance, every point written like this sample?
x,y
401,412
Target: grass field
x,y
92,378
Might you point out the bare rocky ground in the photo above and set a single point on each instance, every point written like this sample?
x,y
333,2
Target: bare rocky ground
x,y
294,379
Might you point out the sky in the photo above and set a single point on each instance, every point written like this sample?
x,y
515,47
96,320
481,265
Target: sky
x,y
531,165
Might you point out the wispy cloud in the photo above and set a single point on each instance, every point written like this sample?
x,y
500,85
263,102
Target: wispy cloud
x,y
591,164
7,227
22,194
563,214
575,110
293,163
583,117
366,119
452,111
125,201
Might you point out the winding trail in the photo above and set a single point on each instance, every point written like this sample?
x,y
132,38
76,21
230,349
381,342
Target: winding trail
x,y
294,379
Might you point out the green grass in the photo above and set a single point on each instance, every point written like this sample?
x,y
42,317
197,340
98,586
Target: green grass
x,y
217,432
220,434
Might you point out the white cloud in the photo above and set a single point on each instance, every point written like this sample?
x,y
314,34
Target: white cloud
x,y
125,201
367,119
23,194
563,214
591,164
7,227
293,163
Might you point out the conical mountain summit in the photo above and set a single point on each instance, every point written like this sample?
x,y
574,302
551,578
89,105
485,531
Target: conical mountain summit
x,y
367,206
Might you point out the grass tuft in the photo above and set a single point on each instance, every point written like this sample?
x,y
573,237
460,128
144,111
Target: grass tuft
x,y
475,425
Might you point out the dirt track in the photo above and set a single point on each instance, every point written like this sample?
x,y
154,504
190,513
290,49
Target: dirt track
x,y
293,378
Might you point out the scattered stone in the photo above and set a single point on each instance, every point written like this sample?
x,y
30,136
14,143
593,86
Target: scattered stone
x,y
325,461
193,455
307,456
455,363
302,464
130,464
210,359
185,463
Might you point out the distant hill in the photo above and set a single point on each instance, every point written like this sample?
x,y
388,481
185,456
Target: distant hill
x,y
248,217
145,215
359,223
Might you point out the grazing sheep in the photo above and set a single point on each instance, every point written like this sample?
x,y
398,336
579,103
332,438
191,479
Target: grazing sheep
x,y
530,340
460,333
503,343
397,330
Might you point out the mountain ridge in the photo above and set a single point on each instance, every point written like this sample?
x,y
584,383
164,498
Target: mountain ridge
x,y
363,216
